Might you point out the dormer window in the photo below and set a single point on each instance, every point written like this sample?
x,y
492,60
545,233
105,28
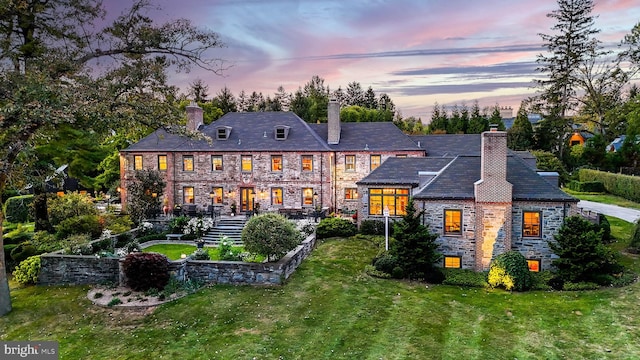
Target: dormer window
x,y
223,132
281,132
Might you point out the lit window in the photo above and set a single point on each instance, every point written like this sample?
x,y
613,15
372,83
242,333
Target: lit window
x,y
187,196
187,163
276,162
247,163
217,195
452,221
350,194
350,163
307,163
162,162
276,196
453,262
375,162
216,162
395,200
137,162
534,265
307,196
531,224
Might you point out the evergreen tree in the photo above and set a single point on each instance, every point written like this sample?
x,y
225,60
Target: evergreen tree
x,y
496,118
225,101
439,121
355,94
370,101
478,123
198,91
520,136
415,247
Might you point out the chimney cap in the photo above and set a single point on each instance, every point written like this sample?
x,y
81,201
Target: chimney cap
x,y
493,127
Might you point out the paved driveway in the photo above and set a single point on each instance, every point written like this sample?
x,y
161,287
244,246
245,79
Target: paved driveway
x,y
630,215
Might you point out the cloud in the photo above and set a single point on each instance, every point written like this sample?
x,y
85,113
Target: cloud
x,y
460,88
502,70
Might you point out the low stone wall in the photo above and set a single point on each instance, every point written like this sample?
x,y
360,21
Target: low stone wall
x,y
57,269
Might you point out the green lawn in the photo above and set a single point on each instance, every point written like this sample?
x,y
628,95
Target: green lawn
x,y
175,251
330,309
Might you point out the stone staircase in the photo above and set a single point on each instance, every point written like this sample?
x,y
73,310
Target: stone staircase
x,y
231,226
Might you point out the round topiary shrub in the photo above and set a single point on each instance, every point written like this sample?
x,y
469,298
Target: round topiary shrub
x,y
28,270
271,235
23,251
335,227
85,224
510,270
146,271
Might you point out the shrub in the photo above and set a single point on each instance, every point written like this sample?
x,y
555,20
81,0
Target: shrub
x,y
542,280
271,235
102,245
123,239
580,286
414,245
625,278
335,227
72,204
78,244
132,246
145,271
117,224
85,224
23,251
372,227
150,237
18,209
586,186
28,270
200,254
46,242
464,277
372,271
634,243
20,234
625,186
582,253
385,263
603,224
177,224
225,248
510,271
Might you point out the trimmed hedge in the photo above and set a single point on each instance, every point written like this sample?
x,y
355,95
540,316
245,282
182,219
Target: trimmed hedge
x,y
18,209
625,186
586,186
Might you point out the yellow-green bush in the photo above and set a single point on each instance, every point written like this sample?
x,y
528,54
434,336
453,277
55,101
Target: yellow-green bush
x,y
28,270
510,270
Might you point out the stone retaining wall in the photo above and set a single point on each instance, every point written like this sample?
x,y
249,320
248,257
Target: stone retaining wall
x,y
57,269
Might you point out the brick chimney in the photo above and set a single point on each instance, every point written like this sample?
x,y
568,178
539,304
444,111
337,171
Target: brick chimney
x,y
333,122
493,185
194,116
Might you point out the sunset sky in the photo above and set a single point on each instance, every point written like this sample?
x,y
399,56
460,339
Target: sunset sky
x,y
417,51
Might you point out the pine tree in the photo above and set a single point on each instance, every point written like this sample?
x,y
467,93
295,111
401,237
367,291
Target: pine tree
x,y
414,247
520,136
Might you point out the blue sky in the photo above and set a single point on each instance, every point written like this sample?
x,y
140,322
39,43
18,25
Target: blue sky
x,y
417,51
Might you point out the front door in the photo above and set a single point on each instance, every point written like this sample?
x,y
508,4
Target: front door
x,y
247,198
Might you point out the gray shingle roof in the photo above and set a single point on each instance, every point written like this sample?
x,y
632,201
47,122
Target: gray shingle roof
x,y
449,144
249,132
456,182
404,170
382,136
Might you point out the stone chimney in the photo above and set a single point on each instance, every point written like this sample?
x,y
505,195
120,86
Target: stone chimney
x,y
194,116
493,186
333,122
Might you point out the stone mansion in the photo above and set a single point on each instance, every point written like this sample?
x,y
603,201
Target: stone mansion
x,y
482,198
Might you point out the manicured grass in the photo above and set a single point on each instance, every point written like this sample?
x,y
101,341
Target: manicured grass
x,y
175,251
604,198
330,309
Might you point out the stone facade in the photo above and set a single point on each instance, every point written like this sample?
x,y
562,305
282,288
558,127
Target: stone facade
x,y
464,245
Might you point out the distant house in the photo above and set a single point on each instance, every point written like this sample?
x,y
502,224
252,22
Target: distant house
x,y
479,197
616,144
579,137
